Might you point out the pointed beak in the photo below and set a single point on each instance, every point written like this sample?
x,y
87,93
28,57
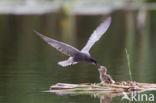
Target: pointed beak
x,y
97,64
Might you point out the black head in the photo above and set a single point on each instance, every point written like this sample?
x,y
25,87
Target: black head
x,y
93,61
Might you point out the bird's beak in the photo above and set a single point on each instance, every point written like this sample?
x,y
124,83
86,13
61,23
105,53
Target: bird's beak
x,y
97,64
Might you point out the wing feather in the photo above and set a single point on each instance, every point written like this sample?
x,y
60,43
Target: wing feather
x,y
96,35
60,46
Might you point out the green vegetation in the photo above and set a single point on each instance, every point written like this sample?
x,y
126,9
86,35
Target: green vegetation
x,y
129,64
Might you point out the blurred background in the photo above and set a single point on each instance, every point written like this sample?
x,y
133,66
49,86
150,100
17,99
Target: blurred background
x,y
28,66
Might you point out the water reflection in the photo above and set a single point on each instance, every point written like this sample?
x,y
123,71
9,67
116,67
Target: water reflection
x,y
108,96
105,99
103,96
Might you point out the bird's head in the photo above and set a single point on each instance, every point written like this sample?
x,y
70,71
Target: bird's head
x,y
93,61
102,69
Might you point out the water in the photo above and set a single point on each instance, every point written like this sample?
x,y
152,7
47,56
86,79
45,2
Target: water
x,y
28,66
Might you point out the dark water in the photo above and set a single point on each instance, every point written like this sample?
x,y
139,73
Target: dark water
x,y
28,66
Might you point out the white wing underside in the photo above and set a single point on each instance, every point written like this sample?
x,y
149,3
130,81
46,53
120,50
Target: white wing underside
x,y
67,62
96,35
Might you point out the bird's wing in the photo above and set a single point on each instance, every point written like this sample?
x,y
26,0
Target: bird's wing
x,y
96,35
60,46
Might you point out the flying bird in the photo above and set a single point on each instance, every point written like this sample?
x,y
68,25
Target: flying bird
x,y
74,54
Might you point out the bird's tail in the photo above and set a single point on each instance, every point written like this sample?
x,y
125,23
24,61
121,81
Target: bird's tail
x,y
66,62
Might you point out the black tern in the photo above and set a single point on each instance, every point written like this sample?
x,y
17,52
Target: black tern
x,y
74,54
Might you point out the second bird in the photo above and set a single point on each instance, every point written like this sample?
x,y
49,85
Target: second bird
x,y
74,54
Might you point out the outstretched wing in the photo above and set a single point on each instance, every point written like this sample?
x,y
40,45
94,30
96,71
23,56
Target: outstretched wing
x,y
96,35
60,46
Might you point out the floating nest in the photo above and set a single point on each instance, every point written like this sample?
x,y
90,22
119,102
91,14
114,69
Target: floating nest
x,y
117,87
105,87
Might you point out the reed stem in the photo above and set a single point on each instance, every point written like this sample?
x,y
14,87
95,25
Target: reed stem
x,y
129,65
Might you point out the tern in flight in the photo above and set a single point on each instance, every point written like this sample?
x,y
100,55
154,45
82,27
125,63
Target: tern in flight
x,y
74,54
